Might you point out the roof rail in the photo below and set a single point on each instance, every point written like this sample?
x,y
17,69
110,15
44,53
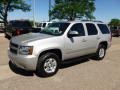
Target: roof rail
x,y
93,21
85,20
98,21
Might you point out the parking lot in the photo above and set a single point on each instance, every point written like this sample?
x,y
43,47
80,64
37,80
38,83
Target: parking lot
x,y
75,75
4,43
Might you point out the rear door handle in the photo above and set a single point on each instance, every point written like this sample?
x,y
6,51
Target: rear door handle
x,y
98,37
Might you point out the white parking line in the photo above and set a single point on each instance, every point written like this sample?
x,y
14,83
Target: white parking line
x,y
6,73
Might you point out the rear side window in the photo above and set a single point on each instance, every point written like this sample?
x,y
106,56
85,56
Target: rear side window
x,y
91,28
104,29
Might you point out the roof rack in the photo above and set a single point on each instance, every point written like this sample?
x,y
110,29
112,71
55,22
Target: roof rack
x,y
98,21
93,21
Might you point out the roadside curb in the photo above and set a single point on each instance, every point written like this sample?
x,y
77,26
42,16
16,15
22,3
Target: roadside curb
x,y
5,72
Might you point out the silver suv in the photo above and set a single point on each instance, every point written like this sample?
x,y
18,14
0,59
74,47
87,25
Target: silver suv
x,y
43,52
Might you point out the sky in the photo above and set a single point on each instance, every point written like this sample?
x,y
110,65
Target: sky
x,y
105,10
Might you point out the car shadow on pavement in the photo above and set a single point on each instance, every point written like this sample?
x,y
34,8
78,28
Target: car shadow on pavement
x,y
64,64
20,71
72,62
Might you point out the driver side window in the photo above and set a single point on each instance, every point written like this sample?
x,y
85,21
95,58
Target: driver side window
x,y
79,28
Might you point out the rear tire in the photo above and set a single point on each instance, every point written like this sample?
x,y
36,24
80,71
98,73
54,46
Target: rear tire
x,y
101,52
48,65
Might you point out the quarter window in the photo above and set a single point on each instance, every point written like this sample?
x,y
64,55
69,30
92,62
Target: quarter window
x,y
91,29
104,29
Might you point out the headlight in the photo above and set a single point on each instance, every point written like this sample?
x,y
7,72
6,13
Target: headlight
x,y
26,50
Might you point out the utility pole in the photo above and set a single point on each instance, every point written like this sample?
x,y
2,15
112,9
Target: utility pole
x,y
49,9
34,13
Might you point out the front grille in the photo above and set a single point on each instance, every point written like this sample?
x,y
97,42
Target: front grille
x,y
13,48
13,51
15,45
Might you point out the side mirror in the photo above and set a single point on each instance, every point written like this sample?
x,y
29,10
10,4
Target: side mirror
x,y
73,34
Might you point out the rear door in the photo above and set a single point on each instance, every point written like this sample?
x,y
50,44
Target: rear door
x,y
93,37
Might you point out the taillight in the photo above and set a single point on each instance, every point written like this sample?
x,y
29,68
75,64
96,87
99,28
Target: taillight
x,y
18,32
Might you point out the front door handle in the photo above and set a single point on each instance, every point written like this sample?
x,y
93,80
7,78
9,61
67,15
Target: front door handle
x,y
84,40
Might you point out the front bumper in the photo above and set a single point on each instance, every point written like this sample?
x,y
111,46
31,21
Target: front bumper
x,y
22,61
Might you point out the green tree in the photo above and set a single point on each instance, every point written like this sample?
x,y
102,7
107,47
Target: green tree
x,y
72,9
11,5
115,22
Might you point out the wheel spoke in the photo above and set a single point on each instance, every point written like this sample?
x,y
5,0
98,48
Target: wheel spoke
x,y
101,52
50,65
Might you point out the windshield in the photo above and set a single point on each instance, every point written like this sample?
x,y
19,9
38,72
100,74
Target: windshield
x,y
56,29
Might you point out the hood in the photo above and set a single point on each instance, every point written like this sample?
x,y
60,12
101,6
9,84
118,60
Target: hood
x,y
29,37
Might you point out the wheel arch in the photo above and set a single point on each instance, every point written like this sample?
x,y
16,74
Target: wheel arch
x,y
55,50
104,43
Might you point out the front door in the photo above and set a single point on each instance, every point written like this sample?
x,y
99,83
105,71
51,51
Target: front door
x,y
76,45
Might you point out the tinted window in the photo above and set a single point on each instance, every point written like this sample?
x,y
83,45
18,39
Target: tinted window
x,y
20,24
44,24
79,28
91,29
26,24
104,29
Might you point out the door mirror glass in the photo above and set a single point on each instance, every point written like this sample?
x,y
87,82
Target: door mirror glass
x,y
73,34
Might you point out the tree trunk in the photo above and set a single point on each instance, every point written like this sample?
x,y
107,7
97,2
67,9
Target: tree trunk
x,y
72,16
6,7
5,23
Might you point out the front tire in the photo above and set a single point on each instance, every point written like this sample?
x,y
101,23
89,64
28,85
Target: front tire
x,y
48,65
101,52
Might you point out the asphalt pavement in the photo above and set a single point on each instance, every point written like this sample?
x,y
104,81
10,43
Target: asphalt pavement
x,y
75,75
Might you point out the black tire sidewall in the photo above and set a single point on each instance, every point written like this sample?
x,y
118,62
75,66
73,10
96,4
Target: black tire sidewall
x,y
40,66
